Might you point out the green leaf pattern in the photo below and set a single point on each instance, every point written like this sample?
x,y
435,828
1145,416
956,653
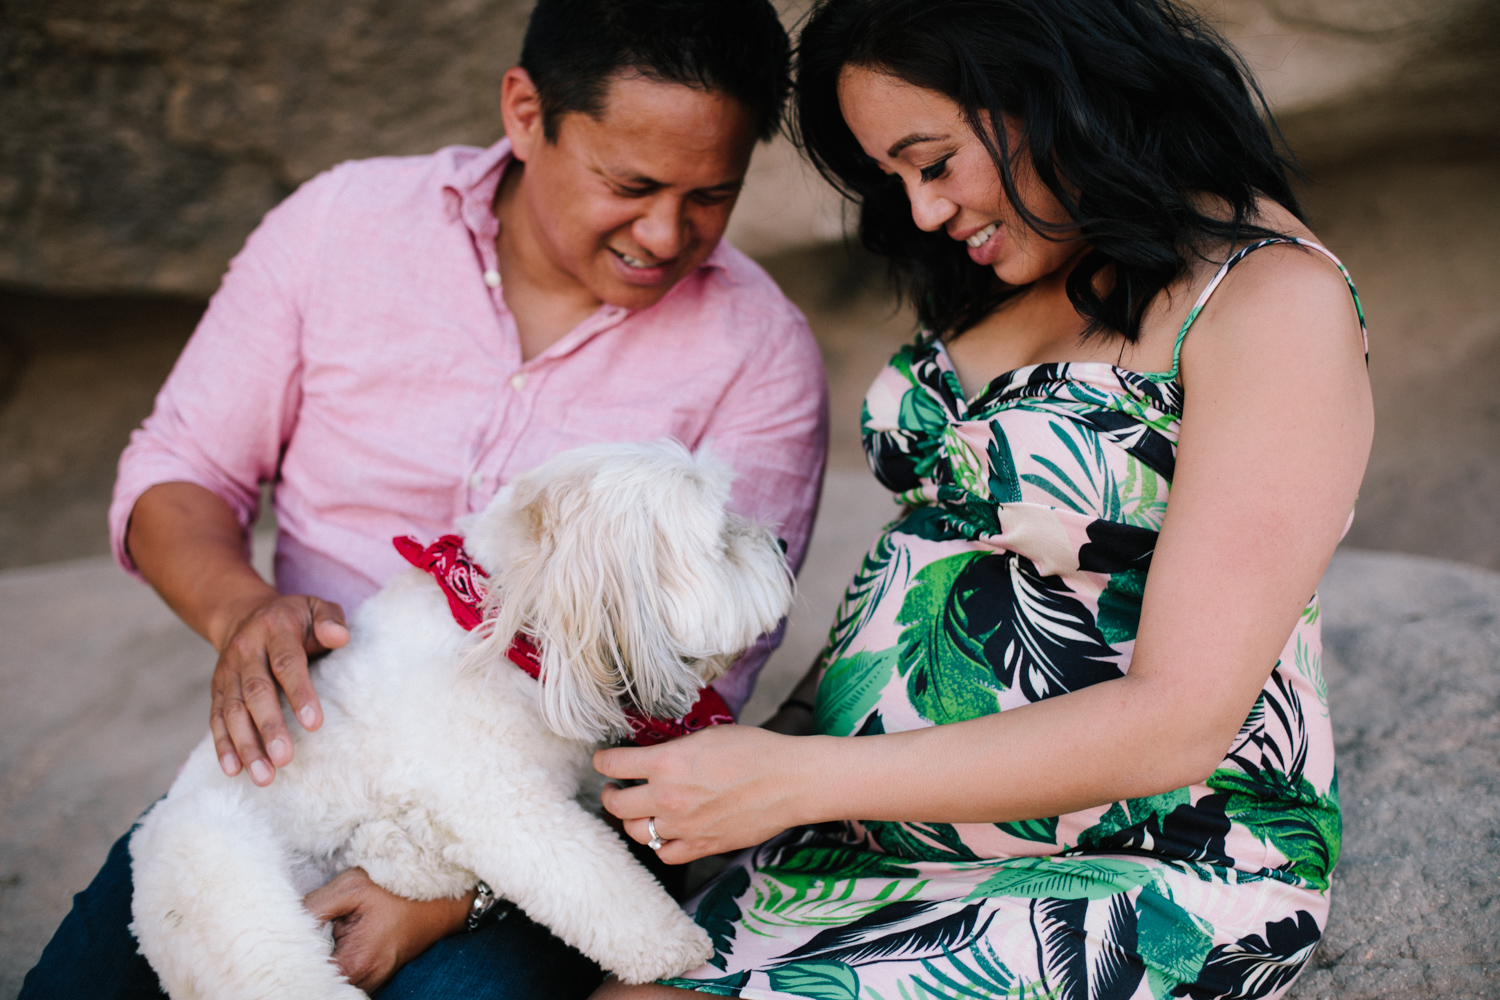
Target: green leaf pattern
x,y
1168,890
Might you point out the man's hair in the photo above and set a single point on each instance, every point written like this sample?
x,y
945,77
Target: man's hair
x,y
575,48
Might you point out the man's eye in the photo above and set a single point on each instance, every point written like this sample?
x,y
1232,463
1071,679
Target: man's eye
x,y
936,170
631,192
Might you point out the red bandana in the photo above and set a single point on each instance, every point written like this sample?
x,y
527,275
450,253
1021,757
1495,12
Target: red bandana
x,y
464,585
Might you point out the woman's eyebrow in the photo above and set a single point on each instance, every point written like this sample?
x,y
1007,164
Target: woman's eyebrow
x,y
910,140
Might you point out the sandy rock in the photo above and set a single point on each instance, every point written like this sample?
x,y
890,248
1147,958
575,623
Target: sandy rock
x,y
1412,646
1348,78
145,138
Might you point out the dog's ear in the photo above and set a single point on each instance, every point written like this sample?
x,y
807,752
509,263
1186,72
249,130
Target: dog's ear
x,y
621,562
551,586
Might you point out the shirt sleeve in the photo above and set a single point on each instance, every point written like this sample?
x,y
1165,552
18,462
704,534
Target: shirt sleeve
x,y
772,427
231,400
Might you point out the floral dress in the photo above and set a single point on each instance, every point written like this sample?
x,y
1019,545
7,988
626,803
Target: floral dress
x,y
1016,574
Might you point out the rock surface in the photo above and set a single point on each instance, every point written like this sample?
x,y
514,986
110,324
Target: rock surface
x,y
145,138
105,693
1412,650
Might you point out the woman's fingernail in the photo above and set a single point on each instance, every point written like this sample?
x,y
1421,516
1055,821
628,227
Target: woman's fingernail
x,y
230,763
260,772
308,716
278,749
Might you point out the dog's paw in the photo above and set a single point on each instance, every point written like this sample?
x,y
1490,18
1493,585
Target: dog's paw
x,y
670,951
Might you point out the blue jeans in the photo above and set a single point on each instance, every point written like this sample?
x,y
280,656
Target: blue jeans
x,y
93,955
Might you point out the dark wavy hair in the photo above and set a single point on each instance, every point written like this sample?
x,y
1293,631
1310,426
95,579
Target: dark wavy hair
x,y
573,48
1130,111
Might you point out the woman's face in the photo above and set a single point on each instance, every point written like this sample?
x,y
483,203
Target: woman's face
x,y
921,136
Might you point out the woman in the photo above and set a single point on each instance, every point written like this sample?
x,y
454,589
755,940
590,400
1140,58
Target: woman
x,y
1094,757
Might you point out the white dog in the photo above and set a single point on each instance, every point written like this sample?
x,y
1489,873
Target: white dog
x,y
440,763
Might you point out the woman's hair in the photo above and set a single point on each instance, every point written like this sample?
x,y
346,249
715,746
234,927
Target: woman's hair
x,y
1130,111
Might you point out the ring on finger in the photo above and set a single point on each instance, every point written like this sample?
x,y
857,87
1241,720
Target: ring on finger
x,y
655,843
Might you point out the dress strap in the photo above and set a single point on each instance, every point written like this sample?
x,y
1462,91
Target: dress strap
x,y
1240,255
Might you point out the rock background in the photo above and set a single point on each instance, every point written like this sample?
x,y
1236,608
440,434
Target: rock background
x,y
140,140
145,138
96,721
1411,647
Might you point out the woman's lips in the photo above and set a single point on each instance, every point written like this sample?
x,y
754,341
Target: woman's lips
x,y
988,245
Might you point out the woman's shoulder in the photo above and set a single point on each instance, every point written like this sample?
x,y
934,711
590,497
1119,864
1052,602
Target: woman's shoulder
x,y
1274,302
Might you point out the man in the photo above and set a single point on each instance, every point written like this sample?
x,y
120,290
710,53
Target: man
x,y
403,336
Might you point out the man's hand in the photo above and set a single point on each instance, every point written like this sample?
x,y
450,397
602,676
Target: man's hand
x,y
186,541
375,933
264,652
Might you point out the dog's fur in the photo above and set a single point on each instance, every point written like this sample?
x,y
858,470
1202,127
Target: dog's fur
x,y
439,762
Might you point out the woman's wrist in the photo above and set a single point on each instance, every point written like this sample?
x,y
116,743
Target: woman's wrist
x,y
811,795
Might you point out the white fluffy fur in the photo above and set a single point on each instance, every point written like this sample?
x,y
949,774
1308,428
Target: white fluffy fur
x,y
439,762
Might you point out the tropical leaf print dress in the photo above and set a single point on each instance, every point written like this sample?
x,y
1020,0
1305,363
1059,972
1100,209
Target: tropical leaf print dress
x,y
1016,574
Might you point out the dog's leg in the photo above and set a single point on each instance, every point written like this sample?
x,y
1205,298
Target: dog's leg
x,y
571,874
216,913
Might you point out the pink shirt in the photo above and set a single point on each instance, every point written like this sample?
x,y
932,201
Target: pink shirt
x,y
359,354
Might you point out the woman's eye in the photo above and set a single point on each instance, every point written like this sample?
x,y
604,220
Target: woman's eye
x,y
936,170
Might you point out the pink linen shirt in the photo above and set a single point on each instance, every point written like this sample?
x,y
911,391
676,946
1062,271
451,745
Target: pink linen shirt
x,y
360,356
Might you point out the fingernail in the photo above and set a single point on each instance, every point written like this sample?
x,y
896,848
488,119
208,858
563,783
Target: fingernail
x,y
278,749
308,716
230,763
260,772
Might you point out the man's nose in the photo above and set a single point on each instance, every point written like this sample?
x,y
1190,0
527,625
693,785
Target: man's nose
x,y
929,211
662,231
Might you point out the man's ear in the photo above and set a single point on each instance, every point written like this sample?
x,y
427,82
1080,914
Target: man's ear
x,y
521,110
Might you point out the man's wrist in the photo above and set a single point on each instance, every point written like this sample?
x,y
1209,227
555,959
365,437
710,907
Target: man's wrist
x,y
232,611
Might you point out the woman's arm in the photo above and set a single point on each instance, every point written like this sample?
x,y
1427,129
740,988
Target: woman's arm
x,y
1276,432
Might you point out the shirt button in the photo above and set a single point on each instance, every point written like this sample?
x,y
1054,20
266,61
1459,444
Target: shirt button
x,y
476,481
518,381
492,278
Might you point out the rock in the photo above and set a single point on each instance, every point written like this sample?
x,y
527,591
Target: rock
x,y
105,692
145,138
1350,78
1412,646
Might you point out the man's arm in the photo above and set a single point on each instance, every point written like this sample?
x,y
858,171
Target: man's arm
x,y
187,492
188,545
772,427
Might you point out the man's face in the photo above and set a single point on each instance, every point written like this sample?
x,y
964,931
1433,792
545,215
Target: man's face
x,y
630,202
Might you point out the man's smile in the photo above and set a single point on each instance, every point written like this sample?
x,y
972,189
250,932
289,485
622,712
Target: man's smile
x,y
636,262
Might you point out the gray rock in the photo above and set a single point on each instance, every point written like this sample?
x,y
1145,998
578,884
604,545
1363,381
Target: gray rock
x,y
104,692
1413,662
143,139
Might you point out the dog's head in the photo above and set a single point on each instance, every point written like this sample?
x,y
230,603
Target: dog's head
x,y
621,561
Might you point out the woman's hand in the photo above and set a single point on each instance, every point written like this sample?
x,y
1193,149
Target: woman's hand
x,y
716,790
375,933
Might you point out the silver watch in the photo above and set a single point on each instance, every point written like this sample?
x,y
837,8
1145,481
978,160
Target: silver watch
x,y
484,902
